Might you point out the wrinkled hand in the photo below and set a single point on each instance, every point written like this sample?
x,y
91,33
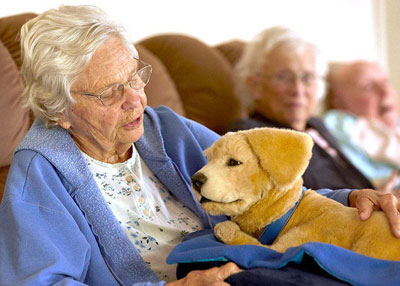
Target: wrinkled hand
x,y
385,198
211,277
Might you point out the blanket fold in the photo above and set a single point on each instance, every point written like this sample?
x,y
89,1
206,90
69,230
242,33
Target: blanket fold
x,y
341,263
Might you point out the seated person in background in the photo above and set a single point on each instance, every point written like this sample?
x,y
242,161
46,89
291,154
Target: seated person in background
x,y
98,192
278,78
363,117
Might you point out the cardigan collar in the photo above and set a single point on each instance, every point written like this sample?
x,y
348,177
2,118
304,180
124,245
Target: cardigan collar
x,y
122,258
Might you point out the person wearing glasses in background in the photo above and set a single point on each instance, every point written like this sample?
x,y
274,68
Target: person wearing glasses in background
x,y
279,77
98,192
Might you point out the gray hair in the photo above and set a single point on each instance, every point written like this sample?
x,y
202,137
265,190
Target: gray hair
x,y
55,47
255,54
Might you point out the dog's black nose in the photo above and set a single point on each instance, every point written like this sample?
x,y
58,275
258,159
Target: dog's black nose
x,y
198,179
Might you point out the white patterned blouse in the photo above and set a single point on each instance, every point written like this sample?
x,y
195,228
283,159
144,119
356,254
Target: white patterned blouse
x,y
154,220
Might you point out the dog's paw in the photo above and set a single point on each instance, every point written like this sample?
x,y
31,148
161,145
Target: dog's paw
x,y
226,231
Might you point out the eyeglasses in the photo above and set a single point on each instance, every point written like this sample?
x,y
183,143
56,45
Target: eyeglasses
x,y
114,93
287,78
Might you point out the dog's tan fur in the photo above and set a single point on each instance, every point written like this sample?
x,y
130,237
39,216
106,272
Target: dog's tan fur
x,y
268,183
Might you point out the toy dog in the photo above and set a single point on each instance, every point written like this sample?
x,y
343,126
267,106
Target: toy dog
x,y
254,176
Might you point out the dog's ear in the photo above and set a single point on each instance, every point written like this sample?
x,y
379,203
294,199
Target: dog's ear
x,y
283,153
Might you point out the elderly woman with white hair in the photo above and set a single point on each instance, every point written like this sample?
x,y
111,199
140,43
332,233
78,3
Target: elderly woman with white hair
x,y
279,78
99,189
83,205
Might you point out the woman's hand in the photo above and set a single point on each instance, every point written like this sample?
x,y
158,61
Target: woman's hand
x,y
211,277
385,198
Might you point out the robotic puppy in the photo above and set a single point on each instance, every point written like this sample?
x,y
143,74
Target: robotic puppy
x,y
254,176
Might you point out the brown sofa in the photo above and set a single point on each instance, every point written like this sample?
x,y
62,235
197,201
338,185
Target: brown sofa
x,y
189,76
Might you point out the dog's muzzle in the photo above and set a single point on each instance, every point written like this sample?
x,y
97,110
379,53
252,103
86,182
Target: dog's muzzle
x,y
198,179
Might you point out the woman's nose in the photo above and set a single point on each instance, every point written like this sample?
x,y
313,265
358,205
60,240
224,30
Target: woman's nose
x,y
132,97
298,87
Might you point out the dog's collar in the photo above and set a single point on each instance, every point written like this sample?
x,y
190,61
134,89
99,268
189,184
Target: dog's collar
x,y
272,230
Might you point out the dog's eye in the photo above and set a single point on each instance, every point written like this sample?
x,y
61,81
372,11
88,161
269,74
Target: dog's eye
x,y
233,162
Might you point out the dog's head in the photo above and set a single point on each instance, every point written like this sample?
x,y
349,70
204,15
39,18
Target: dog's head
x,y
243,167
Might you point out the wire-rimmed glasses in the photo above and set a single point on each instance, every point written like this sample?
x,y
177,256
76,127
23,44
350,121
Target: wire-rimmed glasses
x,y
288,78
114,93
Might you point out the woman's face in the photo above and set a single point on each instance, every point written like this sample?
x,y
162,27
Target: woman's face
x,y
105,132
285,89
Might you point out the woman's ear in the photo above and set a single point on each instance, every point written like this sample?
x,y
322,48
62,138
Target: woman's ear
x,y
63,122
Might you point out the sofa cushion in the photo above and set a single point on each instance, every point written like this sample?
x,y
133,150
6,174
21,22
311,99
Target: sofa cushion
x,y
9,34
202,76
232,50
161,89
14,119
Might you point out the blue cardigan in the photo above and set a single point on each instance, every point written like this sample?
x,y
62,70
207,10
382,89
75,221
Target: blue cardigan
x,y
56,228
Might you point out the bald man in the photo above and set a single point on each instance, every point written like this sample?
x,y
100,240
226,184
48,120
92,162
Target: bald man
x,y
363,115
363,89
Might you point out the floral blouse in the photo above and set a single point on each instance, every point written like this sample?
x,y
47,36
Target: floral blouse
x,y
154,220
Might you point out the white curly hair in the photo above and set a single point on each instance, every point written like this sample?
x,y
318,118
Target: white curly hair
x,y
255,55
55,47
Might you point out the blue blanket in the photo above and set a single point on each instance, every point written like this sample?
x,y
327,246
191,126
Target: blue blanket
x,y
346,265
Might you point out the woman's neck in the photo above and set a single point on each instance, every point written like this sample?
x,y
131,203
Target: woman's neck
x,y
113,155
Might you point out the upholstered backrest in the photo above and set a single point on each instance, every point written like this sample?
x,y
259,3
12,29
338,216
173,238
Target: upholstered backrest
x,y
9,34
202,76
161,89
232,50
14,118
